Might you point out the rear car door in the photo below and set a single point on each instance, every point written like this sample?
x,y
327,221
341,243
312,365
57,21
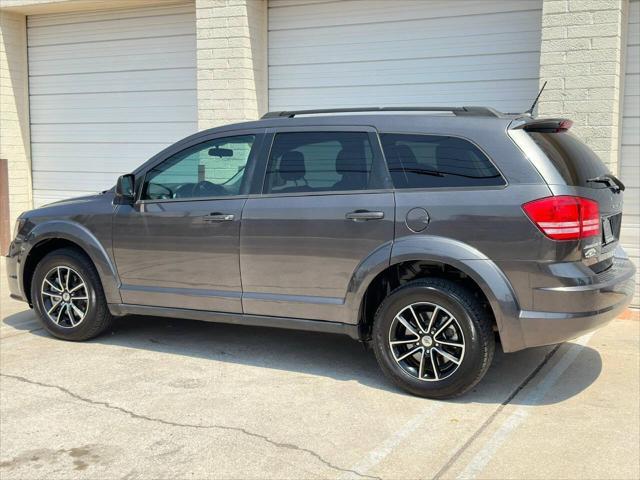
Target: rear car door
x,y
177,246
325,205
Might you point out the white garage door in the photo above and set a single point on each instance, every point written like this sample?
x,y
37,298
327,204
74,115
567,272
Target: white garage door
x,y
107,91
403,52
630,153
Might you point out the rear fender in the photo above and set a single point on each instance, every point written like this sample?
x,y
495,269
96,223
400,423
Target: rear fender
x,y
465,258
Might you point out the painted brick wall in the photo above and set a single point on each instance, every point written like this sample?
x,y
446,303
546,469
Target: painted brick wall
x,y
232,60
581,58
14,111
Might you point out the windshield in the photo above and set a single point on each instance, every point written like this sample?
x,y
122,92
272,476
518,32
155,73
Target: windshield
x,y
574,160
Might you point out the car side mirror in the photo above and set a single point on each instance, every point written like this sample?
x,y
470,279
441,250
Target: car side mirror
x,y
125,190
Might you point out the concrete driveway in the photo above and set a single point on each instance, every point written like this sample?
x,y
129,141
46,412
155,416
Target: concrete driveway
x,y
161,398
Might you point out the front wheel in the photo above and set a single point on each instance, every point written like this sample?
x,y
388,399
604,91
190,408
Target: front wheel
x,y
67,294
433,338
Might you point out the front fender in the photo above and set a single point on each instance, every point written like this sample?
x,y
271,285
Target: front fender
x,y
85,239
493,283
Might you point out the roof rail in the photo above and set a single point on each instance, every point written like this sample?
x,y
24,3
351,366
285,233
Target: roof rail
x,y
461,111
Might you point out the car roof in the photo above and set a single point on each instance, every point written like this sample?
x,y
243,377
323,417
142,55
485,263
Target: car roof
x,y
436,121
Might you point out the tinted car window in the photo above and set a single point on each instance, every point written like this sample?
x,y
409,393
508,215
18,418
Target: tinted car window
x,y
430,161
319,161
210,169
575,162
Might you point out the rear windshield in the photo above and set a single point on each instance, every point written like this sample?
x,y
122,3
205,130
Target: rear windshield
x,y
575,162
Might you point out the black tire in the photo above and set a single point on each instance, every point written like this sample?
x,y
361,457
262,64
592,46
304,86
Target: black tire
x,y
474,321
97,318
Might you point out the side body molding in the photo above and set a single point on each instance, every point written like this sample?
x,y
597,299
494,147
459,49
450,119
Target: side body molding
x,y
77,233
467,259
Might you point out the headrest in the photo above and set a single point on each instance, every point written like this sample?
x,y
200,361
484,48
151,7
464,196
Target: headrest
x,y
454,156
405,156
350,162
292,166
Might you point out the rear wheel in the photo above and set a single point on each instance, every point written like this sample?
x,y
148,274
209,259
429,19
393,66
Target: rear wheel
x,y
67,294
433,338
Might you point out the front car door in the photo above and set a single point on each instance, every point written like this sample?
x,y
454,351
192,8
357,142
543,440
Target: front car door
x,y
324,208
177,246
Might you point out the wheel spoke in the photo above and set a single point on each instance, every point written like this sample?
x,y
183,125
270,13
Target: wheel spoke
x,y
433,364
403,342
79,312
433,318
417,319
408,354
70,315
445,325
447,355
66,280
53,286
50,294
79,298
60,280
80,285
58,316
452,344
53,307
407,325
421,367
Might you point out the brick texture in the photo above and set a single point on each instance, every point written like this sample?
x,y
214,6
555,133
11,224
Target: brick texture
x,y
581,58
14,111
232,60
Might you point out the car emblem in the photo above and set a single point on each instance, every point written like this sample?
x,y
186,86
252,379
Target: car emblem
x,y
590,252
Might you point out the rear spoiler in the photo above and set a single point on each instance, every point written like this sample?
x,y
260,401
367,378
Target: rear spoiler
x,y
544,125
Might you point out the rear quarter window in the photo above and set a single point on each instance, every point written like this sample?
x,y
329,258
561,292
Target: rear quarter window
x,y
575,162
432,161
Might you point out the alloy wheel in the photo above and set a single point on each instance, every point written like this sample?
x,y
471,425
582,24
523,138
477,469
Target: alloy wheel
x,y
426,341
65,297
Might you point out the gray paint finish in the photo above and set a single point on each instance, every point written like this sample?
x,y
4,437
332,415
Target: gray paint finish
x,y
298,253
297,260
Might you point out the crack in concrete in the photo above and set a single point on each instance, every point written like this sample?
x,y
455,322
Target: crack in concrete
x,y
289,446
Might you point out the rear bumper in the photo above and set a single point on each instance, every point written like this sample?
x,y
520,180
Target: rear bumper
x,y
572,311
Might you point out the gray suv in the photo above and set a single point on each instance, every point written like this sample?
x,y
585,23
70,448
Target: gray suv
x,y
426,233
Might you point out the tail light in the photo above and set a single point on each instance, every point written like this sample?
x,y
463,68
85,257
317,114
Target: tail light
x,y
565,217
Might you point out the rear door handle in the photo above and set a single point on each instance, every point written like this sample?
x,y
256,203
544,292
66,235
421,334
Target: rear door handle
x,y
364,215
218,217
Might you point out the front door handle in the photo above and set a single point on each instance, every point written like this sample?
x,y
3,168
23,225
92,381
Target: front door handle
x,y
364,215
218,217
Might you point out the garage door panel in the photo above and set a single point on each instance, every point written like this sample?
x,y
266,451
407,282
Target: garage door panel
x,y
90,181
633,58
630,151
111,132
113,100
376,35
112,51
630,129
288,16
133,114
72,18
103,30
70,157
352,53
467,93
122,62
504,67
108,91
631,106
113,81
409,49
